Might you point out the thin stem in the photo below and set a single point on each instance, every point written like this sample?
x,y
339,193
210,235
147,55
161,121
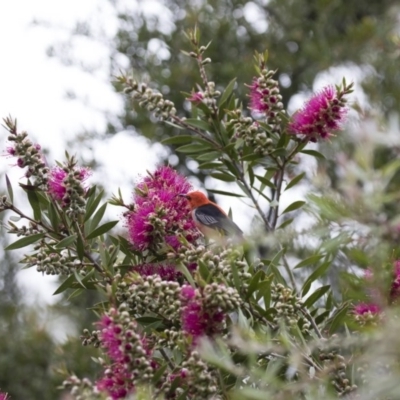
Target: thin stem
x,y
199,132
166,358
312,321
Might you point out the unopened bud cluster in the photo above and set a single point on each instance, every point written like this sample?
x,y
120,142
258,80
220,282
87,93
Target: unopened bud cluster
x,y
288,307
52,262
221,265
208,96
152,294
150,99
23,230
81,389
336,364
91,338
216,295
250,132
202,382
29,156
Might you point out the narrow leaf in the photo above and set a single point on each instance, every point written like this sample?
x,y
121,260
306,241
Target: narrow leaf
x,y
314,153
9,189
294,206
65,242
295,180
102,229
25,241
316,295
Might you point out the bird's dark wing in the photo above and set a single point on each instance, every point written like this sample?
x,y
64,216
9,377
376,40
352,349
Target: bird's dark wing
x,y
213,217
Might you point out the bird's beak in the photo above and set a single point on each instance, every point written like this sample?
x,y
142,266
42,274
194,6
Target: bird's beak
x,y
182,195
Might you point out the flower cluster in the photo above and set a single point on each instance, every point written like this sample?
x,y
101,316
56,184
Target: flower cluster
x,y
160,217
322,114
3,396
28,155
204,312
66,184
131,361
265,97
149,98
250,133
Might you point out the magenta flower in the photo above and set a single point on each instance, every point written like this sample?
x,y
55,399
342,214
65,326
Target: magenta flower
x,y
165,272
129,353
259,97
196,97
4,396
364,308
160,216
321,115
197,320
116,382
58,181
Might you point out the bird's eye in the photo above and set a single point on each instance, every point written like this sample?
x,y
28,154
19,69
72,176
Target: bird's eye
x,y
188,197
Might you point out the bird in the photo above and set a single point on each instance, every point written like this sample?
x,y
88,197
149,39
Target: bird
x,y
210,219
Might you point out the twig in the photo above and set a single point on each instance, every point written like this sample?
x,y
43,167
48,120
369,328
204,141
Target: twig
x,y
166,358
312,321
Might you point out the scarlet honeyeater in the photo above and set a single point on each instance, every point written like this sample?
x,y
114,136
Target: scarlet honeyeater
x,y
210,219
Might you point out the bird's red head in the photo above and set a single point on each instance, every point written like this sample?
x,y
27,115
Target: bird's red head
x,y
196,199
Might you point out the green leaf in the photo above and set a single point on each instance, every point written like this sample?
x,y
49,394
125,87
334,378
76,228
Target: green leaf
x,y
67,284
80,248
316,295
266,181
227,92
78,278
294,206
254,283
102,229
198,123
295,180
92,204
224,193
65,242
338,317
25,241
313,153
284,224
92,224
209,164
174,125
34,202
194,148
223,176
9,189
314,276
209,156
53,216
179,139
309,261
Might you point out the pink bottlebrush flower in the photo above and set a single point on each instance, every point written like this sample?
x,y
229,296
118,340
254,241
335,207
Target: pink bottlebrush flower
x,y
160,216
258,96
117,382
321,115
165,272
364,308
57,184
4,396
196,97
127,351
198,321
